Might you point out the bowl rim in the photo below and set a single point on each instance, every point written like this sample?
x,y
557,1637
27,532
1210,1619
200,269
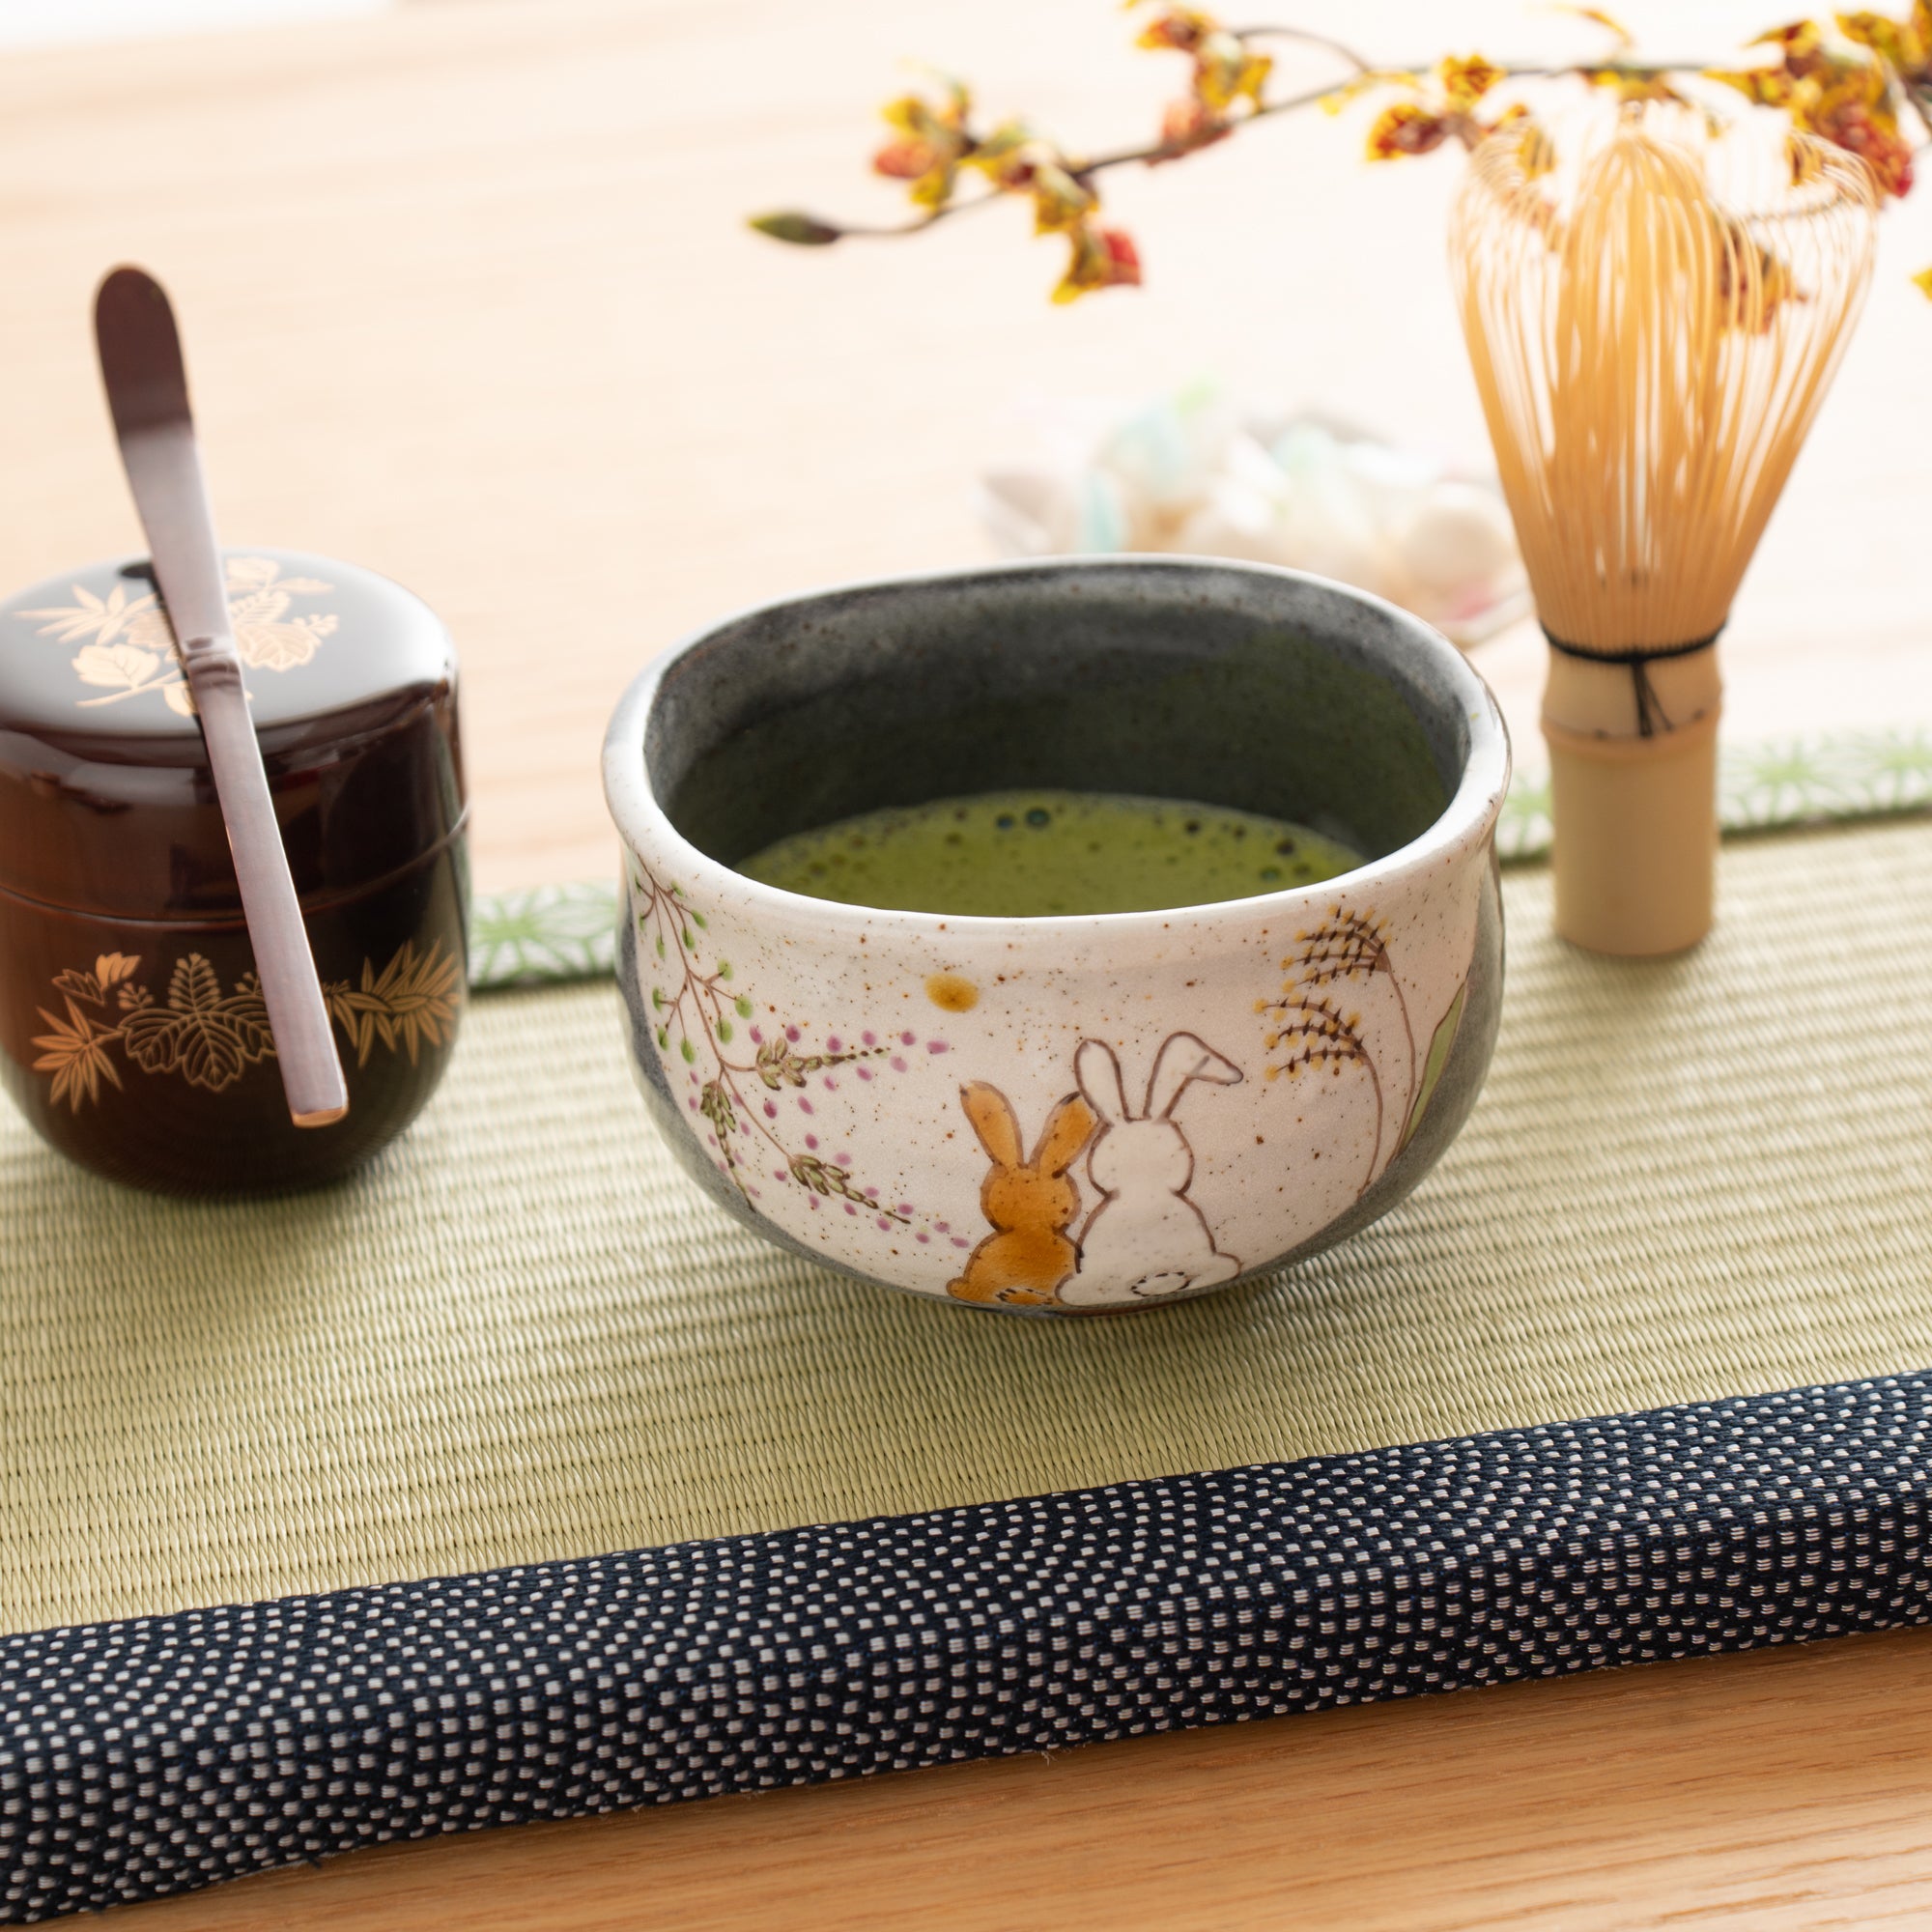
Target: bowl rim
x,y
1467,821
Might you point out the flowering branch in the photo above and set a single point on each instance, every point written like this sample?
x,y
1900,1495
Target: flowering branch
x,y
1851,89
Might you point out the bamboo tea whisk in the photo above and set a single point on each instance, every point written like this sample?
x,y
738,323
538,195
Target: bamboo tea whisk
x,y
1653,320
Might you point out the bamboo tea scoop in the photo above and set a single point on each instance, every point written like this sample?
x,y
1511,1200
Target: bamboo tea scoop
x,y
147,392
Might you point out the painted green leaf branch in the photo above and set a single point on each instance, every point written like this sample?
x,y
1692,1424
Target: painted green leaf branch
x,y
825,1179
1433,1062
695,1013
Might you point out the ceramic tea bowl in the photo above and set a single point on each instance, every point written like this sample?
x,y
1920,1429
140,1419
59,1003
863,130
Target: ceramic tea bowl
x,y
1075,1114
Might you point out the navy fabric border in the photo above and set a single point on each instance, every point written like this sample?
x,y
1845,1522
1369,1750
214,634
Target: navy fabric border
x,y
157,1755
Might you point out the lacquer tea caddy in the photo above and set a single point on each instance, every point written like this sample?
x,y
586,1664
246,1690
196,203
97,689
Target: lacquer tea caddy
x,y
132,1031
1073,1113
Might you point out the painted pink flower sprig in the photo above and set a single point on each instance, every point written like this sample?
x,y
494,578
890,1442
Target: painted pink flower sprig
x,y
759,1084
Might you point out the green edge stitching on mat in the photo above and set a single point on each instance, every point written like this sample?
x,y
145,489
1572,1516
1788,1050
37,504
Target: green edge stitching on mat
x,y
543,934
548,934
1781,782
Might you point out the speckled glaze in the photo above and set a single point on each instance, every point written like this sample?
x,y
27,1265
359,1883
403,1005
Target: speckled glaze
x,y
1068,1114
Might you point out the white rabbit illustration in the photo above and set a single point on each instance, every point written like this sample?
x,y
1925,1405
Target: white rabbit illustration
x,y
1144,1236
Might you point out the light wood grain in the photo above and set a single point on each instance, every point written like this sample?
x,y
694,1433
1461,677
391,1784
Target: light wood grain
x,y
1785,1789
472,303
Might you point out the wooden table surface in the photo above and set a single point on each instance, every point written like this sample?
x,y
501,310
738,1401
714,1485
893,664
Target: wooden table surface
x,y
468,300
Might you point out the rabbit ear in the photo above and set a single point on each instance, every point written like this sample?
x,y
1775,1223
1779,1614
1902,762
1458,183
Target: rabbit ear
x,y
994,1121
1184,1058
1067,1131
1097,1068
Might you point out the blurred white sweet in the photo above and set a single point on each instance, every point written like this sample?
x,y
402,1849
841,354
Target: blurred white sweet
x,y
1194,474
1455,541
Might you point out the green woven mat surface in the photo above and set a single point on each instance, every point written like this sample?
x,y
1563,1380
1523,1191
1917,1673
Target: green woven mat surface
x,y
524,1335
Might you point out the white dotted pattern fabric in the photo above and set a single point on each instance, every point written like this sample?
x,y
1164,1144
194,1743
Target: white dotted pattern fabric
x,y
522,1341
159,1754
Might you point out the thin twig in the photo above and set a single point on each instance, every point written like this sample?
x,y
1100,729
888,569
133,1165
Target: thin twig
x,y
1302,35
1171,150
1174,151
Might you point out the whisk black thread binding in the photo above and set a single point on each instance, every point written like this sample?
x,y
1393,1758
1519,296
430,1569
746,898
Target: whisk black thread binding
x,y
1650,715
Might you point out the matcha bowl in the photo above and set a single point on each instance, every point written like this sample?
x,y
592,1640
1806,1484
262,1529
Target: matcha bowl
x,y
1084,1112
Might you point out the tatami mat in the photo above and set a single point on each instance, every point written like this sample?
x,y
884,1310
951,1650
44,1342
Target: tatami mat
x,y
524,1335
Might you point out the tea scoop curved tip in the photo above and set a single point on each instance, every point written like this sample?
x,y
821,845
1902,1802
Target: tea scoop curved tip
x,y
145,380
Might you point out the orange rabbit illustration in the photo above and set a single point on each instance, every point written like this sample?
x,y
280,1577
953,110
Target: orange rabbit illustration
x,y
1030,1202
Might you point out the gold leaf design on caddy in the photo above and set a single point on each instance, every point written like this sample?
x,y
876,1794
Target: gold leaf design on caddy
x,y
210,1036
752,1082
1314,1032
408,1004
117,666
127,650
75,1052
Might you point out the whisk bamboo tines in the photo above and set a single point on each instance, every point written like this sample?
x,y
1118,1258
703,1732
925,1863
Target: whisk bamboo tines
x,y
1652,322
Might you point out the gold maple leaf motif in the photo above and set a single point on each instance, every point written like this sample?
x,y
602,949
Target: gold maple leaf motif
x,y
128,647
210,1036
74,1051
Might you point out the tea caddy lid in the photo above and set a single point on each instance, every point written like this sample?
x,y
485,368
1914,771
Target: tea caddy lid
x,y
107,801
